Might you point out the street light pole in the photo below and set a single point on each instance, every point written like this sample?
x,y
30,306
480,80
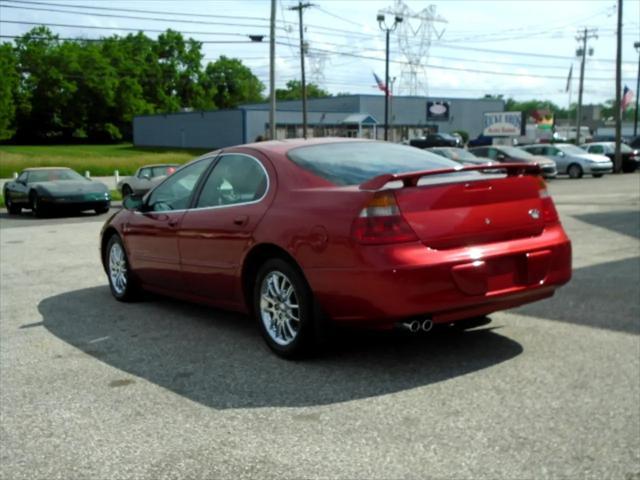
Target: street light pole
x,y
383,26
636,45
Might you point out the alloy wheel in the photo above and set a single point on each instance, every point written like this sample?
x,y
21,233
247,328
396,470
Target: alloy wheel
x,y
279,308
118,268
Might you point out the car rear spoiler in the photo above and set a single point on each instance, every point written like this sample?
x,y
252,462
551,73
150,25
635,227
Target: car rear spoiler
x,y
410,179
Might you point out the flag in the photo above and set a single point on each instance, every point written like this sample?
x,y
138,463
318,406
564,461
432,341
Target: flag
x,y
569,78
381,84
627,98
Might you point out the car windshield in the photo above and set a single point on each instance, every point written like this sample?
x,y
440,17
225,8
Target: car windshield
x,y
624,148
55,175
516,152
352,163
164,170
571,149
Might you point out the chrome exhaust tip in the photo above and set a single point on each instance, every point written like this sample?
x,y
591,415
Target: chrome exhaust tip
x,y
427,325
413,326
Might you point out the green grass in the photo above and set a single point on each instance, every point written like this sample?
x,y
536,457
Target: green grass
x,y
100,160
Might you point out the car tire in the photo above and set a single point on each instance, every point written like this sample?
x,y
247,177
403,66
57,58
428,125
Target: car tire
x,y
12,208
36,205
575,171
121,280
101,210
284,309
126,191
597,175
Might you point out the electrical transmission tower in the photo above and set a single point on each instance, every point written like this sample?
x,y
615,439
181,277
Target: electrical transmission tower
x,y
415,34
317,62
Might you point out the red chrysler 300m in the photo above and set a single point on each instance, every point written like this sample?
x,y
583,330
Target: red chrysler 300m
x,y
301,232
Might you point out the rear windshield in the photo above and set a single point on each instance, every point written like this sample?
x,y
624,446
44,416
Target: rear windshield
x,y
352,163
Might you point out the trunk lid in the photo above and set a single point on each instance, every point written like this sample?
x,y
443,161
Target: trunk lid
x,y
446,213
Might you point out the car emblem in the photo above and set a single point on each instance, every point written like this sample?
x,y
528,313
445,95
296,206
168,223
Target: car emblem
x,y
487,221
534,213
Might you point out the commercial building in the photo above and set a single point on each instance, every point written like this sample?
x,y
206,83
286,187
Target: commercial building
x,y
345,116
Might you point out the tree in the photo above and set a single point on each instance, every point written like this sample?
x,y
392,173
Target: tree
x,y
294,91
9,81
231,83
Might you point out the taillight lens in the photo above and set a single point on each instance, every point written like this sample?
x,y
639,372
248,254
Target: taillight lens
x,y
549,212
380,222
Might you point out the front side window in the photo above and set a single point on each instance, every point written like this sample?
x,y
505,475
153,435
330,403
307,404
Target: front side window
x,y
144,173
175,193
235,179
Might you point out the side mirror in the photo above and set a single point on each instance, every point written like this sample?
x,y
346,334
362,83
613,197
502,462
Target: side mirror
x,y
500,157
561,154
21,182
133,202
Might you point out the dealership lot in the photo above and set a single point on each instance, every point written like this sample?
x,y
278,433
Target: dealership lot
x,y
92,388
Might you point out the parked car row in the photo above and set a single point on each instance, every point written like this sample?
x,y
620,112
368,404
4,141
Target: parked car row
x,y
595,159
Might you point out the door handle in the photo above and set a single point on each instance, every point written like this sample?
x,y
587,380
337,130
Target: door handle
x,y
173,222
241,220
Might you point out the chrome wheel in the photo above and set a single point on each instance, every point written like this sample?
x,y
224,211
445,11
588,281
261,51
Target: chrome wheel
x,y
279,308
118,268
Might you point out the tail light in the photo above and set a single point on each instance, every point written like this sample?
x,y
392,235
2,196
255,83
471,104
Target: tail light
x,y
549,212
380,222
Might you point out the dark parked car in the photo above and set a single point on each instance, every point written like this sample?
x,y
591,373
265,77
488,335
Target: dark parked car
x,y
46,189
372,234
513,154
460,155
635,142
630,156
480,141
436,140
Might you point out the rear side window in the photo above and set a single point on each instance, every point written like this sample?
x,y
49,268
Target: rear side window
x,y
353,163
235,179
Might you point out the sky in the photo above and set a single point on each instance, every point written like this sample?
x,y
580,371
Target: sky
x,y
520,49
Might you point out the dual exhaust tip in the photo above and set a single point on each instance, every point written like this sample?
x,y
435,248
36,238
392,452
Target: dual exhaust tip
x,y
415,326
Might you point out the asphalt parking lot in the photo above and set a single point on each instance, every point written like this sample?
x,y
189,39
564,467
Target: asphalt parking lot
x,y
92,388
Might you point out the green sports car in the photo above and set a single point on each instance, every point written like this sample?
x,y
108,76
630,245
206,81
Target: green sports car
x,y
43,190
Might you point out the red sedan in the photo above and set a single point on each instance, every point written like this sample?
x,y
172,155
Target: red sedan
x,y
302,232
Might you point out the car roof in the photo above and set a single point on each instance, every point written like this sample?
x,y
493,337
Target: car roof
x,y
37,169
598,143
153,165
284,146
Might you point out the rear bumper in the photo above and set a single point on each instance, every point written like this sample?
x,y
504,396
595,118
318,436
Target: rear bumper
x,y
447,285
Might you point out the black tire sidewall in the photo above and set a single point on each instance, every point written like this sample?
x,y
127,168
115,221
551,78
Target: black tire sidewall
x,y
130,290
304,343
577,167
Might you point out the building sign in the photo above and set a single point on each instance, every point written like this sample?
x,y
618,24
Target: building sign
x,y
504,124
438,111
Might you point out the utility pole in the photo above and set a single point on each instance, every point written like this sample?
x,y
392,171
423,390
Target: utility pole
x,y
582,52
617,162
272,73
301,6
636,45
383,26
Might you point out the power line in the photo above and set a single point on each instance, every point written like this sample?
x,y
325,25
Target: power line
x,y
96,27
103,39
186,32
441,67
131,17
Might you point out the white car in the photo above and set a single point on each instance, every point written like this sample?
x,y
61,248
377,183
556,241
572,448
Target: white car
x,y
572,160
145,178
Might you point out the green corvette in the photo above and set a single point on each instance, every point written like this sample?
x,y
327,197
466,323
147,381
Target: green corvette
x,y
43,190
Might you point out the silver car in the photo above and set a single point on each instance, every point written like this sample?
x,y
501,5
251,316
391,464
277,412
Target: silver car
x,y
572,160
145,178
